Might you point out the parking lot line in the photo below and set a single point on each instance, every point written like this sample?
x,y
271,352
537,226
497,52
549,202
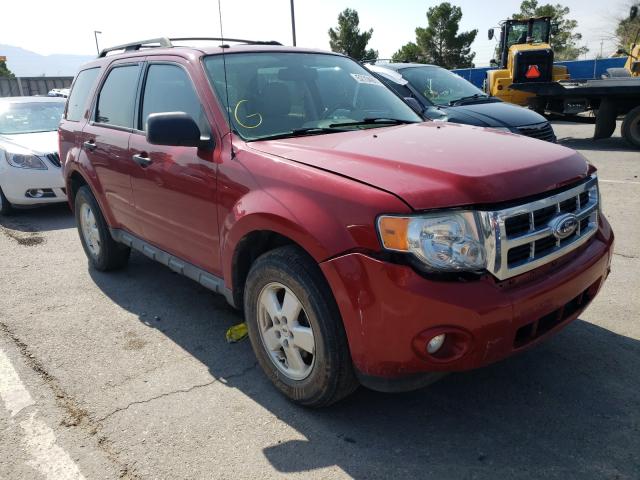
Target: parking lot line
x,y
46,455
12,390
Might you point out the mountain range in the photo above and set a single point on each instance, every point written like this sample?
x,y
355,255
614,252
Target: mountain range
x,y
24,63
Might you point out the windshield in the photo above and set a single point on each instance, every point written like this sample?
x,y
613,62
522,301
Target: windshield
x,y
33,117
270,94
517,32
438,85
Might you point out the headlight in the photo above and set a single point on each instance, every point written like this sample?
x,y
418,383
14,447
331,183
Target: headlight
x,y
25,161
443,242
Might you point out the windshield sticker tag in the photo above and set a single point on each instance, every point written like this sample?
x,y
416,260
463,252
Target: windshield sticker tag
x,y
358,77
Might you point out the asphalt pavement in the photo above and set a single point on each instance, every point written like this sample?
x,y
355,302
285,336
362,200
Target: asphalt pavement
x,y
128,375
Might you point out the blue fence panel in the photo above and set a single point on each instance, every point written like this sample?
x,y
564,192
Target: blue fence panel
x,y
578,69
474,75
584,69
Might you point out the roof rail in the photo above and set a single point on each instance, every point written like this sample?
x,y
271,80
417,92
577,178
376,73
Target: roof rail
x,y
234,40
164,42
133,46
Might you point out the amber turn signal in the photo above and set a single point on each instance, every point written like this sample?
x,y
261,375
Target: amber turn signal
x,y
393,232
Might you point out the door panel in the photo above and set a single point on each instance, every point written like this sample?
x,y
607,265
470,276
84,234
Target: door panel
x,y
113,166
175,189
105,141
175,198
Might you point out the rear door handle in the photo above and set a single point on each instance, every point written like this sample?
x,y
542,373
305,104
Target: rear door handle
x,y
142,160
90,145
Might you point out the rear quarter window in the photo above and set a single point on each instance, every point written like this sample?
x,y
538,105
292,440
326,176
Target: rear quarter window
x,y
82,86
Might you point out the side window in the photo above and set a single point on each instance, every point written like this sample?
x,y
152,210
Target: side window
x,y
78,99
168,88
117,98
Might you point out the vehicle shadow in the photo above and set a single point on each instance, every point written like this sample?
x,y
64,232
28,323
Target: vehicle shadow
x,y
567,409
40,219
612,144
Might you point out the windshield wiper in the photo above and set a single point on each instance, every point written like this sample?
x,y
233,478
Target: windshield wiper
x,y
300,132
475,96
333,128
373,121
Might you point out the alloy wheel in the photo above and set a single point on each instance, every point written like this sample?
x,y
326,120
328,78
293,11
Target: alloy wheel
x,y
285,331
90,230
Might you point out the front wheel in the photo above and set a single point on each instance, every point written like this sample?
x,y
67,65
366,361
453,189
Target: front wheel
x,y
296,330
102,251
631,127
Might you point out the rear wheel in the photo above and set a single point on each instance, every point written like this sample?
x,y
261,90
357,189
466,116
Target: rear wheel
x,y
5,206
631,127
296,330
102,251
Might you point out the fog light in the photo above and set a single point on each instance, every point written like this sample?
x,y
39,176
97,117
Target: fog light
x,y
40,193
436,343
35,193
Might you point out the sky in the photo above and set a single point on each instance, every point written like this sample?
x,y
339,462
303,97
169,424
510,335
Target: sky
x,y
69,30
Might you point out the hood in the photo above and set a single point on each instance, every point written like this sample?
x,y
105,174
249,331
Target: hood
x,y
38,143
435,165
493,114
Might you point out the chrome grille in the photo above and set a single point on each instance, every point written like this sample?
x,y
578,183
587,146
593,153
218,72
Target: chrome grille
x,y
54,158
521,238
541,131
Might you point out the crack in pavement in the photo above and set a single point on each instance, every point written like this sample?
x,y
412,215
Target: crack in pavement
x,y
182,390
76,415
624,255
79,417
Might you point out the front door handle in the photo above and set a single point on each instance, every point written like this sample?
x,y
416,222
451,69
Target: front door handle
x,y
142,160
90,145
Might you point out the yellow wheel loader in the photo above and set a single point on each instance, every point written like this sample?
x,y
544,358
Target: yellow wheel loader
x,y
526,56
632,66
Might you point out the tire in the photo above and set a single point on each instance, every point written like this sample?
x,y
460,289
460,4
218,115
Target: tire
x,y
103,252
5,206
329,373
620,72
631,127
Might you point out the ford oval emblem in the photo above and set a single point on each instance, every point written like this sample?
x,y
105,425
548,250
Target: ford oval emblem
x,y
564,226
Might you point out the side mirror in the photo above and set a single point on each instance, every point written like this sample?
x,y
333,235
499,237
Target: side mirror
x,y
493,62
174,129
491,33
621,51
414,104
633,13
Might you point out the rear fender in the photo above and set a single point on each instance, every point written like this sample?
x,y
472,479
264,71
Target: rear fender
x,y
76,162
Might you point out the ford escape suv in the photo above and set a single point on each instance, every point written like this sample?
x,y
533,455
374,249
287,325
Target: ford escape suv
x,y
363,245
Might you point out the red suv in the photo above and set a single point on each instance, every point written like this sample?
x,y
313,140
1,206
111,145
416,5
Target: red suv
x,y
364,246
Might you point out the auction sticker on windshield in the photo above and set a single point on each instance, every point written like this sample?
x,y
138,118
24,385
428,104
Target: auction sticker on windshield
x,y
358,77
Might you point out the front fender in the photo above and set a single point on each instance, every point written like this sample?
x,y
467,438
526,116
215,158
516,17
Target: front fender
x,y
302,220
324,213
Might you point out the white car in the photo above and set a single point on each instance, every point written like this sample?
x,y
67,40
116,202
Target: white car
x,y
30,172
58,92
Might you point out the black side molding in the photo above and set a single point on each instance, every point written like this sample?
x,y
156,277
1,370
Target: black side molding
x,y
204,278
